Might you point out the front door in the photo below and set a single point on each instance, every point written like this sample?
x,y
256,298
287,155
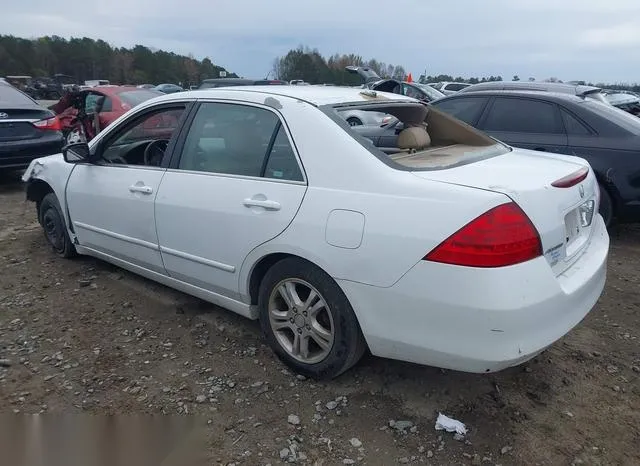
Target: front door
x,y
111,203
237,184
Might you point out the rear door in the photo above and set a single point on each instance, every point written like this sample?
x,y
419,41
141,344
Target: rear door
x,y
236,184
529,123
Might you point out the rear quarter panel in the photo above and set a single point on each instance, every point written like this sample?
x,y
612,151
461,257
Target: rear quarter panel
x,y
404,216
615,165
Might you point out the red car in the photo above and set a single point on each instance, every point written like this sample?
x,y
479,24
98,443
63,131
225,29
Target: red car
x,y
89,111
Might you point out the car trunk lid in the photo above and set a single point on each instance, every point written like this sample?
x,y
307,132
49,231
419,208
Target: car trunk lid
x,y
16,123
561,215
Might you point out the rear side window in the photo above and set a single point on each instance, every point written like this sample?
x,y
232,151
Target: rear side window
x,y
467,109
523,116
573,125
282,163
239,140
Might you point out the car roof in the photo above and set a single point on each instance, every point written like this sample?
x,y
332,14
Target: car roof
x,y
114,89
554,96
575,89
315,95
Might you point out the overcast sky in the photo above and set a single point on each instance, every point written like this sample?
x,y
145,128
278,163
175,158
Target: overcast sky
x,y
596,40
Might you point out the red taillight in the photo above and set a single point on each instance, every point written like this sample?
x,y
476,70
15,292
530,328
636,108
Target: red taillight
x,y
501,236
572,179
50,124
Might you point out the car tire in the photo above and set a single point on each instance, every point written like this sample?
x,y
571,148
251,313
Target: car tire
x,y
325,325
353,121
606,206
54,227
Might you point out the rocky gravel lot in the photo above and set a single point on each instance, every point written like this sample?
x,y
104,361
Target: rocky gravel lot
x,y
82,336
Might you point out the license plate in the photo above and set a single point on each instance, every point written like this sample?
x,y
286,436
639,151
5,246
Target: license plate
x,y
572,226
7,130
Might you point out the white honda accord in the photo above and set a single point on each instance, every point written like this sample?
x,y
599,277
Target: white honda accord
x,y
448,248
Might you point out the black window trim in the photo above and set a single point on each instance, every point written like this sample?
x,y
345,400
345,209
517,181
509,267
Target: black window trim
x,y
174,164
590,129
558,116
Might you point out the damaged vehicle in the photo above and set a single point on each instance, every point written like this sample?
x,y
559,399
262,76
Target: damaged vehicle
x,y
335,245
628,102
27,130
373,81
560,123
83,113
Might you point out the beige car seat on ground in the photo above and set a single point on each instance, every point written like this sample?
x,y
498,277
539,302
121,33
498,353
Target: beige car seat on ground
x,y
414,138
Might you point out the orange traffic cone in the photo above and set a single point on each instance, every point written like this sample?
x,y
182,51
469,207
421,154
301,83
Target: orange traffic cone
x,y
409,78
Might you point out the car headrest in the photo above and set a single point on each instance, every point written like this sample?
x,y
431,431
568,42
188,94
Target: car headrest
x,y
414,137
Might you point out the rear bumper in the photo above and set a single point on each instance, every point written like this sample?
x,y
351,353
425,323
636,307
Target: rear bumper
x,y
19,154
479,320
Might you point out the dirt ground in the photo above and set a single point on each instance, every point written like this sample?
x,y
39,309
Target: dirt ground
x,y
82,336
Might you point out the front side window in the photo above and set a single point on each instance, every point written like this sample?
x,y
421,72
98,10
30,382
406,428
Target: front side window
x,y
239,140
523,116
143,141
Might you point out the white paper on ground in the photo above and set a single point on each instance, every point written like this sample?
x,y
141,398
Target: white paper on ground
x,y
450,425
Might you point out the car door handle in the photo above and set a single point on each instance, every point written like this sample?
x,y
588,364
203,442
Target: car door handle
x,y
540,149
141,189
265,204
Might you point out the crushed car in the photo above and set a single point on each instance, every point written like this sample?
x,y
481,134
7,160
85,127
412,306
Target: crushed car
x,y
371,80
83,113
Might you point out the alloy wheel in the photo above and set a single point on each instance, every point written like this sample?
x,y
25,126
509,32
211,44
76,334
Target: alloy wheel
x,y
301,321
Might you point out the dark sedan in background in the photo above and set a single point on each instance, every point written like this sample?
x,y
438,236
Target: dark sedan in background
x,y
608,138
27,130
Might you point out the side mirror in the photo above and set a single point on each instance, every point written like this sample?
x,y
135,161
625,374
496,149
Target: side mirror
x,y
76,152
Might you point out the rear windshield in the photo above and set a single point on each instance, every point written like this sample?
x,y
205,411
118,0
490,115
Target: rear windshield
x,y
9,95
431,92
414,137
136,97
624,120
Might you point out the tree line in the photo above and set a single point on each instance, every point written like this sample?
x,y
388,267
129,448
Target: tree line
x,y
85,59
309,65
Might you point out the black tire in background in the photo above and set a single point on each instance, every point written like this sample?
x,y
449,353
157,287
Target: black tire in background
x,y
606,206
348,342
54,226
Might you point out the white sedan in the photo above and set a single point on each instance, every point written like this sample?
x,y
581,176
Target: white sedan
x,y
451,249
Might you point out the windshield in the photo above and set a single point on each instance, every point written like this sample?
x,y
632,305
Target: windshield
x,y
134,98
619,117
430,91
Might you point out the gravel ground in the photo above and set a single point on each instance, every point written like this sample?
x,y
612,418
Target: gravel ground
x,y
82,336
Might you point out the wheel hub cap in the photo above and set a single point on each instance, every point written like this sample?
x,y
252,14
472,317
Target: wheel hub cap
x,y
301,321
